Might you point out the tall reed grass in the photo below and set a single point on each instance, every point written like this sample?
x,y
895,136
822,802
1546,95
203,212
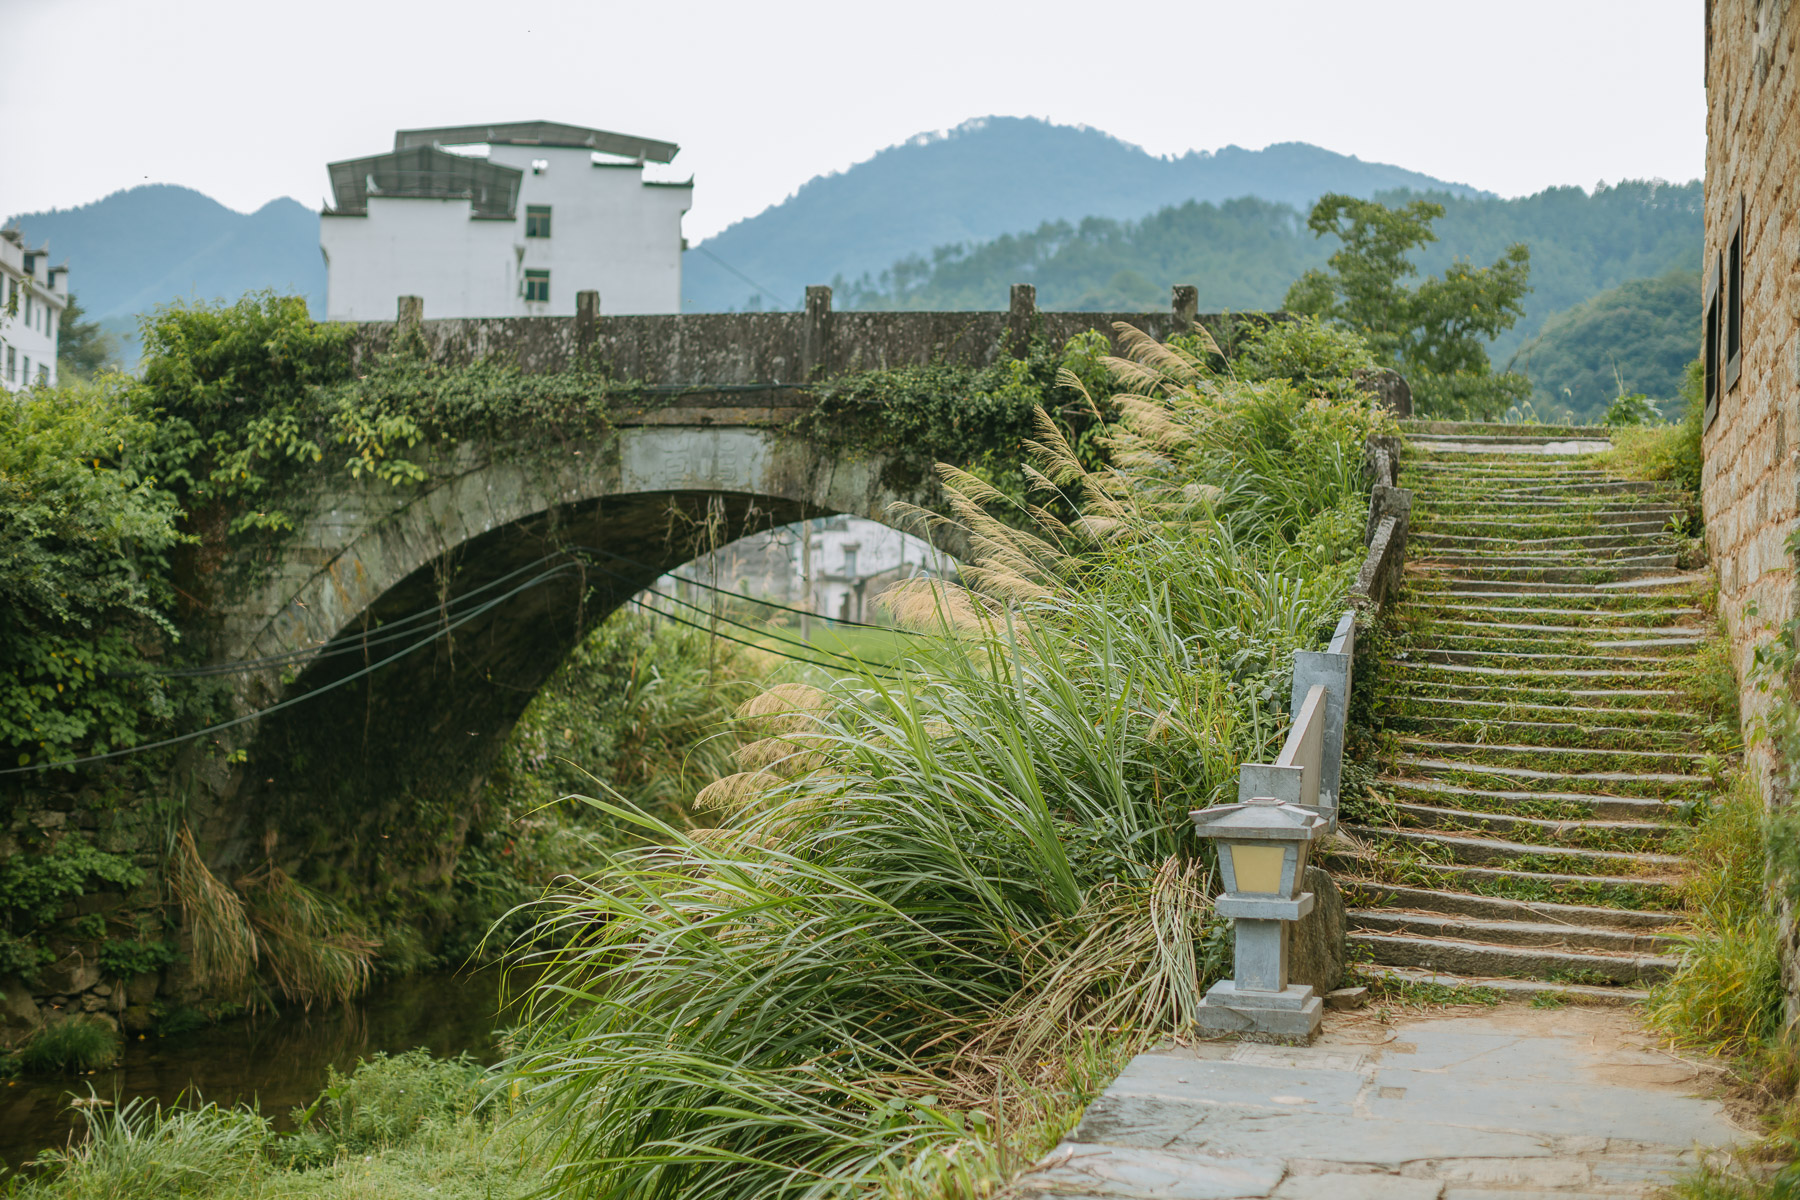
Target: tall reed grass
x,y
920,891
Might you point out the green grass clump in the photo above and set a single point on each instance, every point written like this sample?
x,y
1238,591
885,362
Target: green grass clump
x,y
1727,996
384,1102
70,1046
141,1149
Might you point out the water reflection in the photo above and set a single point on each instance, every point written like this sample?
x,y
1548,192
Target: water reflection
x,y
278,1061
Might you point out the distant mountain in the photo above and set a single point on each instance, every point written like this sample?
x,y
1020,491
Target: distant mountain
x,y
147,245
1244,253
989,177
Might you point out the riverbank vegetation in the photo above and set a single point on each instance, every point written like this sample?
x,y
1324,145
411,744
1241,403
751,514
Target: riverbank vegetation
x,y
928,907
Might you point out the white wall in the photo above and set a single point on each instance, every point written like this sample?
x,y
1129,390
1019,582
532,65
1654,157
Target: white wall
x,y
28,337
610,232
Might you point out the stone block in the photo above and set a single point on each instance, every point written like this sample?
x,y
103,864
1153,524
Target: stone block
x,y
1359,1186
19,1016
1318,943
1347,998
70,974
1085,1168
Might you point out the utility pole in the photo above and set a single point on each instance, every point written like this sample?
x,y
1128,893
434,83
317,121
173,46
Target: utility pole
x,y
806,603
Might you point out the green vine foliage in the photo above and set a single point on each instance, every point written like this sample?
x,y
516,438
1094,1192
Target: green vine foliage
x,y
84,540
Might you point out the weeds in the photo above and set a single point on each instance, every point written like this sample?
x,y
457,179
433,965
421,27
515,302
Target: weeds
x,y
70,1046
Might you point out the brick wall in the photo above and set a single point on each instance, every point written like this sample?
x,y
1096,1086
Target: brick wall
x,y
1751,485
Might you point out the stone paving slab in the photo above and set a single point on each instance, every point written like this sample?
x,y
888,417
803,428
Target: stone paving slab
x,y
1507,1103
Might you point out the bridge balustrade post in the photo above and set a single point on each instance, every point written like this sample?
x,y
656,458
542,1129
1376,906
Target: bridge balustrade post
x,y
1020,317
1186,304
587,322
815,347
408,324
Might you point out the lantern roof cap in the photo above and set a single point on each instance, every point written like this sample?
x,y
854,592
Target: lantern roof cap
x,y
1260,818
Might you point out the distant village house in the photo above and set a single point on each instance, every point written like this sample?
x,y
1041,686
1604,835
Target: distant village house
x,y
549,211
33,295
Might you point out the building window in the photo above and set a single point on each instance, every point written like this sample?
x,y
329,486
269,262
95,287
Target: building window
x,y
537,220
537,285
43,375
1734,302
27,370
12,365
1709,351
850,560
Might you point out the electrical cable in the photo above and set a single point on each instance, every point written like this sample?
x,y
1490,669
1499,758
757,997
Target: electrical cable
x,y
279,705
370,669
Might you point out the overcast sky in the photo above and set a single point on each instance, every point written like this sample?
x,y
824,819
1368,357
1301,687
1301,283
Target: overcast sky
x,y
247,100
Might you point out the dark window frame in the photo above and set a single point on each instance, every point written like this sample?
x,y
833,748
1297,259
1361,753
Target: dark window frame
x,y
537,287
1709,351
1731,332
537,220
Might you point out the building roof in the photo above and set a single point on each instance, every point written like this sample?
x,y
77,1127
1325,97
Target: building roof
x,y
539,133
424,172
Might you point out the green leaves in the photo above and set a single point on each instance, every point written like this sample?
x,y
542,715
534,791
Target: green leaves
x,y
1435,331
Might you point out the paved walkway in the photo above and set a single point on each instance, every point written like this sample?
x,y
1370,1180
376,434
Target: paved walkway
x,y
1506,1103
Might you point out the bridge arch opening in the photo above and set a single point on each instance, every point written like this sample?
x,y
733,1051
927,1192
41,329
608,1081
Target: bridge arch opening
x,y
433,644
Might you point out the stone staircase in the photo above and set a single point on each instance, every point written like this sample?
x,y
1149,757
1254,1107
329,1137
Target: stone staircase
x,y
1542,751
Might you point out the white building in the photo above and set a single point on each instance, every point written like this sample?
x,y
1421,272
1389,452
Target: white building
x,y
551,210
851,562
33,295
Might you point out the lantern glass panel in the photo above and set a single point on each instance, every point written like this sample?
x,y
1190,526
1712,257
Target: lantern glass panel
x,y
1258,867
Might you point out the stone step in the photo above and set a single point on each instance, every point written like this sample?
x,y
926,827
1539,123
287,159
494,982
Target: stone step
x,y
1563,759
1561,805
1427,685
1368,894
1470,850
1655,785
1507,639
1539,662
1616,891
1537,575
1461,727
1575,619
1586,833
1517,989
1549,935
1563,545
1518,962
1495,631
1468,584
1525,676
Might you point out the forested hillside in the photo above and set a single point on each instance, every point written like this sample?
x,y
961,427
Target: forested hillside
x,y
1244,253
1640,335
988,177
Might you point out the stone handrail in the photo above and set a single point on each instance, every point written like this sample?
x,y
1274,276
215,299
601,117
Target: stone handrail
x,y
1309,770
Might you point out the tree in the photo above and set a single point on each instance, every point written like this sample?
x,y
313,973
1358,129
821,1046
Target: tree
x,y
82,347
1436,333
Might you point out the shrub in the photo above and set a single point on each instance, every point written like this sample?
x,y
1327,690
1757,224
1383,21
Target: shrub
x,y
385,1101
71,1045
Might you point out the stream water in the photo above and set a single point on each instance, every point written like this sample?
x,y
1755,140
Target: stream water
x,y
277,1061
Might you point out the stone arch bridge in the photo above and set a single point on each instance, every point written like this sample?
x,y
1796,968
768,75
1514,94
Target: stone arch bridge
x,y
370,564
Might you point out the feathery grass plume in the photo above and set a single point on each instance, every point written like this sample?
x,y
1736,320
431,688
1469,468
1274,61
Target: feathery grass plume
x,y
784,756
935,605
224,942
735,791
974,487
315,952
785,708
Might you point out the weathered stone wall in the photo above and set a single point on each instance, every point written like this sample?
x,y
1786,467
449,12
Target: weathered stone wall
x,y
739,349
112,813
1750,489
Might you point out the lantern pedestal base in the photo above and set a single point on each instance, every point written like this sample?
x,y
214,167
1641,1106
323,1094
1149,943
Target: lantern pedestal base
x,y
1291,1015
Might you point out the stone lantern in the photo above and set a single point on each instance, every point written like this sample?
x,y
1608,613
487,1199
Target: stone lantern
x,y
1263,848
